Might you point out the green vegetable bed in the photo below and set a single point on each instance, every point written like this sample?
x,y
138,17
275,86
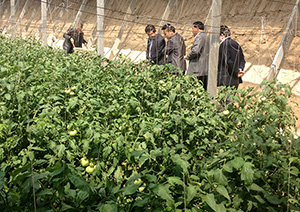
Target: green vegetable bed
x,y
76,135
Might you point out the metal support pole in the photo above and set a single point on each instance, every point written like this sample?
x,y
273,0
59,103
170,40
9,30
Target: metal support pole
x,y
100,27
214,47
12,16
44,22
79,13
288,36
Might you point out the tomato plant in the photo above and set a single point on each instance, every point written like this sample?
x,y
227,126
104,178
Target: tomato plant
x,y
81,133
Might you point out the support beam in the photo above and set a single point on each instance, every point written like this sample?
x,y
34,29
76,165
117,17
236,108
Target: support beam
x,y
166,14
12,18
44,22
121,32
2,6
100,27
59,17
21,16
47,10
33,14
79,13
214,47
5,13
11,21
288,36
91,40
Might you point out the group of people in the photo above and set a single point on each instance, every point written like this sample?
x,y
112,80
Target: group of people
x,y
231,62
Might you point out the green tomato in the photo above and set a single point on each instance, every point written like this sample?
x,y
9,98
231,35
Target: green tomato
x,y
73,133
226,112
84,162
138,181
92,164
73,88
90,169
141,189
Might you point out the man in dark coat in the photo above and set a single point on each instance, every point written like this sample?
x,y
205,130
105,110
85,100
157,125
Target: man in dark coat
x,y
231,60
155,45
198,56
175,49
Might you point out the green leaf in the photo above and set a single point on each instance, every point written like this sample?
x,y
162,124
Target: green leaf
x,y
273,199
66,207
237,162
79,183
259,199
210,200
228,167
174,137
223,191
175,180
118,175
61,150
81,196
172,97
220,177
163,192
149,136
131,189
191,193
151,178
256,187
107,207
7,96
142,160
141,202
247,173
220,208
180,162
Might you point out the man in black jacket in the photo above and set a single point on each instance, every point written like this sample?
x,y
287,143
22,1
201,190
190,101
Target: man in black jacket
x,y
155,45
231,60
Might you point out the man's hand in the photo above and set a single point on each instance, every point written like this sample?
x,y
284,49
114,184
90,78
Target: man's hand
x,y
185,57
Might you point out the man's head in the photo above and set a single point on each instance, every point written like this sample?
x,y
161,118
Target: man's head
x,y
150,31
224,32
198,26
168,30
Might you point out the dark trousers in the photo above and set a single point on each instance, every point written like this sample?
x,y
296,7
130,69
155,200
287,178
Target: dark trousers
x,y
204,80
